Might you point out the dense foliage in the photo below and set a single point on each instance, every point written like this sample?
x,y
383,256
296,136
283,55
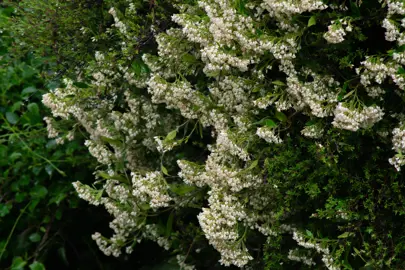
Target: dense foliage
x,y
252,134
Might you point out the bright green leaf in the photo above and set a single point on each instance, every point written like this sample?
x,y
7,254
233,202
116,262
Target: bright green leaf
x,y
280,83
253,165
164,170
18,263
270,123
172,134
345,235
37,266
312,21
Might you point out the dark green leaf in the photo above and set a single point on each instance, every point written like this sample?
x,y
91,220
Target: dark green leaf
x,y
16,106
12,118
281,117
80,85
33,107
35,237
29,90
62,254
5,209
38,192
169,224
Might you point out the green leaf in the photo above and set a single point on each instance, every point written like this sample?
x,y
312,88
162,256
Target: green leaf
x,y
312,21
310,123
12,118
280,83
33,108
5,209
20,196
57,198
172,134
80,85
33,205
355,9
115,177
309,233
49,169
188,58
181,189
111,141
164,170
18,263
16,106
62,254
37,266
169,224
349,94
270,123
14,156
345,235
28,90
3,155
281,117
357,251
253,164
35,237
38,192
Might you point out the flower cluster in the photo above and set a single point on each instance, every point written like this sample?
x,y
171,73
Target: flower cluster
x,y
347,118
337,31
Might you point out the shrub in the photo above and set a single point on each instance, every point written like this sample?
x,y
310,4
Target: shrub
x,y
278,124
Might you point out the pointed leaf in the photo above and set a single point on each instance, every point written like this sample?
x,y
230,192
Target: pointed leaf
x,y
172,134
312,21
281,117
270,123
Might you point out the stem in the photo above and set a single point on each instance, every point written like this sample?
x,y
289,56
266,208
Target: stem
x,y
12,230
29,148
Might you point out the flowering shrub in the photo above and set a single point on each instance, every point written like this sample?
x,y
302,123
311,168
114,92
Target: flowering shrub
x,y
280,121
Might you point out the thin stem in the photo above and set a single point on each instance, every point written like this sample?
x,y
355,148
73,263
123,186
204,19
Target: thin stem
x,y
33,152
12,230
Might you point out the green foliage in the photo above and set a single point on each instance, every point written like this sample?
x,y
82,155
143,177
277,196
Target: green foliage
x,y
35,175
